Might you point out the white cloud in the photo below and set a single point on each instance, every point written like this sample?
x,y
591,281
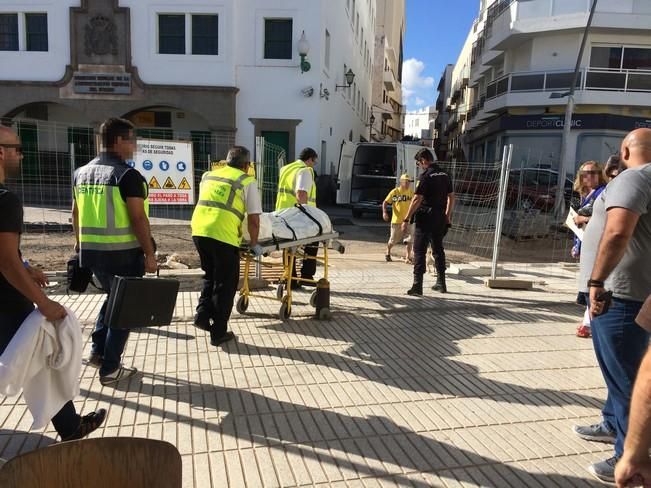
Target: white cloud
x,y
414,83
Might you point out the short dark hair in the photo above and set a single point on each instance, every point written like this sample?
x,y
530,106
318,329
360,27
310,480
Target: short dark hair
x,y
308,153
238,157
614,163
424,154
113,128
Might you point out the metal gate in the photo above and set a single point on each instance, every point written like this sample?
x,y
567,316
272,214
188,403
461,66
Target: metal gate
x,y
269,159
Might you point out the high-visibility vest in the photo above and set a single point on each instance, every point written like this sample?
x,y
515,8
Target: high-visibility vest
x,y
286,197
221,207
104,223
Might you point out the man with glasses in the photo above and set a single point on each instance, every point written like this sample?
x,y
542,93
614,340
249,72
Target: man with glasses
x,y
113,238
431,211
20,285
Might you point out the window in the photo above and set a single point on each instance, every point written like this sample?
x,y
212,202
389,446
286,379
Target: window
x,y
8,32
278,38
171,34
36,32
205,34
619,57
327,49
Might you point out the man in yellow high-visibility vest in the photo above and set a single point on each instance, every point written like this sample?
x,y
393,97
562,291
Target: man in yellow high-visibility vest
x,y
296,184
226,195
112,233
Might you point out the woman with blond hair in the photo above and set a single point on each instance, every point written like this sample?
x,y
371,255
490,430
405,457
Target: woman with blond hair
x,y
589,184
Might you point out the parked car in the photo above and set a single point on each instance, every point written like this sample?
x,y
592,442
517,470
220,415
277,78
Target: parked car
x,y
535,188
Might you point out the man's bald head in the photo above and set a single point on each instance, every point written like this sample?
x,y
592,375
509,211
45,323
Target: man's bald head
x,y
10,153
8,135
636,148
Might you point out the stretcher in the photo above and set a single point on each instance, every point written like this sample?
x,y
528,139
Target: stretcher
x,y
292,249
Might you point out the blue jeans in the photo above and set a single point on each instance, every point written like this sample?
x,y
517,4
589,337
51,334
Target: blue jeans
x,y
107,342
620,345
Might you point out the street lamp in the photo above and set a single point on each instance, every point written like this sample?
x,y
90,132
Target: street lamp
x,y
303,50
350,77
559,203
370,126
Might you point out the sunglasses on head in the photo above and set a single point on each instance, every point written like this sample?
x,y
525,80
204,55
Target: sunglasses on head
x,y
17,147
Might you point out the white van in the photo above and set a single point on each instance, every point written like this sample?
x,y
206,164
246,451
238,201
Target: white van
x,y
369,171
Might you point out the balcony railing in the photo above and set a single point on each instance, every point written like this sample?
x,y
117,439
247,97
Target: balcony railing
x,y
589,79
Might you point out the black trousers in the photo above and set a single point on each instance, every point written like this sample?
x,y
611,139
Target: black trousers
x,y
430,230
66,421
308,268
221,264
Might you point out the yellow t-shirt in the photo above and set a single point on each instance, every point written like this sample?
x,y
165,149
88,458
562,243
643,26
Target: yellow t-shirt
x,y
400,200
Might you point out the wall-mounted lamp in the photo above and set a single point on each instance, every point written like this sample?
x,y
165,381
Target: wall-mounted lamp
x,y
370,126
350,77
303,50
324,92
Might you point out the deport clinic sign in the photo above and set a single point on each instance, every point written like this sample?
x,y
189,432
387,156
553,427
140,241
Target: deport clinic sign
x,y
169,170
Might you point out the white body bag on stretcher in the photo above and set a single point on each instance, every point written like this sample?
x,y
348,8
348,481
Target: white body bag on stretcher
x,y
291,224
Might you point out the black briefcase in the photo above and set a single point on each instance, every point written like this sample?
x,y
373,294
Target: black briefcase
x,y
141,302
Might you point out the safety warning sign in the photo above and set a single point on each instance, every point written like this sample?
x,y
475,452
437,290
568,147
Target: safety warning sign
x,y
153,184
169,163
184,185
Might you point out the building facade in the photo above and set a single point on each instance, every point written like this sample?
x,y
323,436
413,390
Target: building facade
x,y
388,111
421,124
521,64
444,88
217,73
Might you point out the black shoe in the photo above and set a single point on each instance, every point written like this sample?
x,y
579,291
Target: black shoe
x,y
202,322
440,285
229,336
94,360
296,285
388,258
415,291
88,424
308,283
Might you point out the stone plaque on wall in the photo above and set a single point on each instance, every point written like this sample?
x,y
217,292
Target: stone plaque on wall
x,y
102,83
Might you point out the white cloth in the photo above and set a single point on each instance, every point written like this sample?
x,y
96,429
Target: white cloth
x,y
252,201
304,180
278,224
44,362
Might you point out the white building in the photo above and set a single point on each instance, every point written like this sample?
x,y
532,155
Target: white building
x,y
421,124
524,51
388,111
217,72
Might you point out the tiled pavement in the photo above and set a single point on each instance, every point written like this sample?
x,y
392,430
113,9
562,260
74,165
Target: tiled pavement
x,y
474,388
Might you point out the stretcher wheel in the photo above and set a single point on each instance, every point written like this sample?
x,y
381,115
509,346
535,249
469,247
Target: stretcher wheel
x,y
242,304
325,314
280,291
285,311
313,299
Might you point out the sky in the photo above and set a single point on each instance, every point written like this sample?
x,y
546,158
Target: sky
x,y
436,31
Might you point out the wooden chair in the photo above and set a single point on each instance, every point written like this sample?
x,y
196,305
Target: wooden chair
x,y
109,462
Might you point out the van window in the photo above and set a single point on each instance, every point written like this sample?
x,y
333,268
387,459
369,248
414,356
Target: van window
x,y
374,173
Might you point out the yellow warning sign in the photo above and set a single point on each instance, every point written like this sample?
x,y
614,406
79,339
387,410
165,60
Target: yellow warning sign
x,y
153,183
169,184
184,185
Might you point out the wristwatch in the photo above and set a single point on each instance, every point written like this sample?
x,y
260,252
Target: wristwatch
x,y
595,284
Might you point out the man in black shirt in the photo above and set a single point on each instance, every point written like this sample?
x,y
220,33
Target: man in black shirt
x,y
431,209
20,285
112,234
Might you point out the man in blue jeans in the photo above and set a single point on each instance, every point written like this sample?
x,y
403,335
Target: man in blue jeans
x,y
616,258
110,217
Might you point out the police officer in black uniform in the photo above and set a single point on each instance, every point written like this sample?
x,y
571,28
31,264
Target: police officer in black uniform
x,y
431,210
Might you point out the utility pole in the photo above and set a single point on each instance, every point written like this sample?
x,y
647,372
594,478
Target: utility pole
x,y
559,203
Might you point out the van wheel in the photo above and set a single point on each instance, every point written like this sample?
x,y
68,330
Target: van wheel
x,y
357,213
